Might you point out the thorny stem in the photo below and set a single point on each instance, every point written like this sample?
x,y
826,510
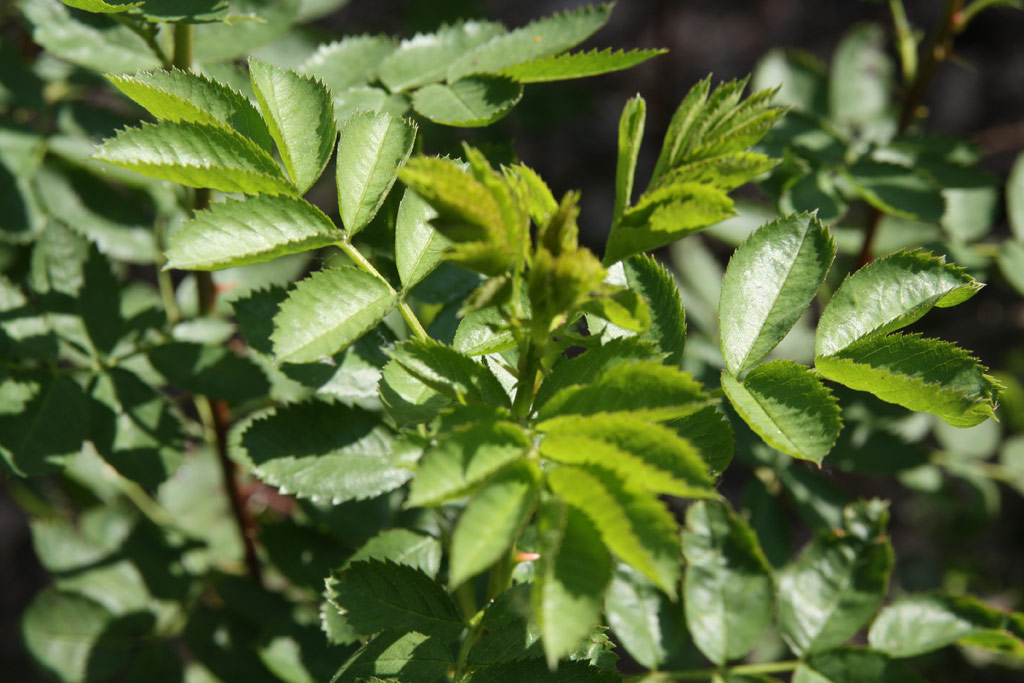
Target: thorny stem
x,y
215,414
936,51
407,313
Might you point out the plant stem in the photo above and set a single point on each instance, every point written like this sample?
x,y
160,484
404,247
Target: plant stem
x,y
407,313
936,51
528,366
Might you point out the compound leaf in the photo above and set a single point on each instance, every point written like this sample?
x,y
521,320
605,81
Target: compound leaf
x,y
540,38
468,102
578,65
788,407
351,61
325,452
371,149
177,95
770,281
491,521
464,458
888,294
727,588
300,115
837,583
379,596
252,230
650,455
635,525
328,311
574,571
926,375
197,155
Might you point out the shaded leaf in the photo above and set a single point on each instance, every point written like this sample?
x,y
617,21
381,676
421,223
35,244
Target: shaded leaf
x,y
446,370
348,62
395,656
424,58
578,65
916,624
852,665
647,624
468,102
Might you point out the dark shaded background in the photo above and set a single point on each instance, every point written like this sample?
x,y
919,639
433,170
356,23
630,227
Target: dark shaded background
x,y
567,132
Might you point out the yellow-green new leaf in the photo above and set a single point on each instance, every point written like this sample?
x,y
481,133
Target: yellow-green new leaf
x,y
631,134
252,230
926,375
371,149
197,155
177,95
770,281
578,65
574,571
100,7
888,294
547,36
300,114
328,311
635,525
652,456
788,407
469,102
493,519
467,211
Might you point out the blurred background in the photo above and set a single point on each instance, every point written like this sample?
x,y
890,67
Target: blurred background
x,y
567,131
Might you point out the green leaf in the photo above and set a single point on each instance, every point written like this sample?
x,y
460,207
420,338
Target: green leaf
x,y
625,309
492,520
446,370
654,282
583,369
407,399
898,190
379,596
402,546
99,6
539,38
177,95
324,452
664,215
649,455
574,570
656,392
209,370
1015,198
419,248
853,665
348,62
371,149
467,209
681,128
107,47
64,632
186,11
837,583
647,624
926,375
916,624
300,115
396,656
28,441
631,133
252,230
468,102
860,80
328,311
506,632
770,281
197,155
888,294
799,77
635,525
708,429
1011,263
787,405
465,458
483,331
226,41
727,588
424,58
578,65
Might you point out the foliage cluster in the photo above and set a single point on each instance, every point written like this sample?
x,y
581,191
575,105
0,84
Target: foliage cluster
x,y
426,435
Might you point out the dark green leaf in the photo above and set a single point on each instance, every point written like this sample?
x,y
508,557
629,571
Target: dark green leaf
x,y
851,665
446,370
32,404
395,656
351,61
